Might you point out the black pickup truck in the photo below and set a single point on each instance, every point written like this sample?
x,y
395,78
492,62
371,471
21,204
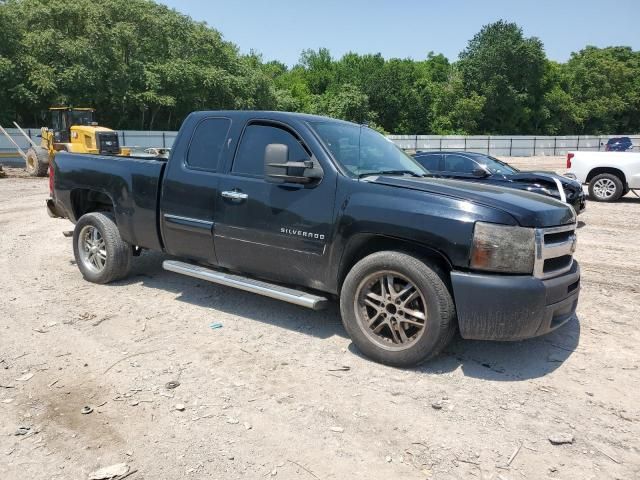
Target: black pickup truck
x,y
304,208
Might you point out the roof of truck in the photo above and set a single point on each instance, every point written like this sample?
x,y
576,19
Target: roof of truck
x,y
268,115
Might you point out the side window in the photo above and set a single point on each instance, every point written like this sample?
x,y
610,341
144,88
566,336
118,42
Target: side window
x,y
249,158
430,161
459,164
207,143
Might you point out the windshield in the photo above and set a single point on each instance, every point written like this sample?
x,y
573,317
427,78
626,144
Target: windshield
x,y
80,117
363,151
496,166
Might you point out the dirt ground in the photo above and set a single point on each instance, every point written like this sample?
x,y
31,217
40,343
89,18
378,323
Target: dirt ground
x,y
279,391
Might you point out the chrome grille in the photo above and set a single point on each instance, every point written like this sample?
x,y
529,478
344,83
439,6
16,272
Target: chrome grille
x,y
554,250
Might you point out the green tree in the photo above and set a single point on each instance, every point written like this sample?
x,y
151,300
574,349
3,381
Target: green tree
x,y
604,86
141,64
507,69
346,102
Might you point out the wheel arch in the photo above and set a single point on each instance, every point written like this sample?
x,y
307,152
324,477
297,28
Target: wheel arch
x,y
610,170
87,200
362,245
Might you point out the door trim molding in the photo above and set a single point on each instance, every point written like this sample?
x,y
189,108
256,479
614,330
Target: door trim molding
x,y
188,223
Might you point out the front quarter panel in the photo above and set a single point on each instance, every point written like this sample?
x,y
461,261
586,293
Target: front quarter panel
x,y
439,223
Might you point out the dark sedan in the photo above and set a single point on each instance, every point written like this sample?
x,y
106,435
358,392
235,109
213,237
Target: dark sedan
x,y
478,167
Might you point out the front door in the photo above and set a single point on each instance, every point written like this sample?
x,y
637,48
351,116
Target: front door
x,y
275,231
459,166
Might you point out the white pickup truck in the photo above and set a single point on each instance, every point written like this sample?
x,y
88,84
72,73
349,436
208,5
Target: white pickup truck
x,y
609,175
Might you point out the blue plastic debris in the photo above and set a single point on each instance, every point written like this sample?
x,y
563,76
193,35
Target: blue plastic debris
x,y
215,325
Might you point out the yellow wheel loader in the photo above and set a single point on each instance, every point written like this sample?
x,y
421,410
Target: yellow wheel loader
x,y
72,130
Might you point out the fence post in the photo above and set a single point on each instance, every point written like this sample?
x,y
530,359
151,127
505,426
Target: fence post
x,y
535,140
440,143
510,145
465,144
163,141
555,143
488,144
599,142
124,139
578,143
416,147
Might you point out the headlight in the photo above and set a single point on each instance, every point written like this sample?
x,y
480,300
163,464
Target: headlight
x,y
501,248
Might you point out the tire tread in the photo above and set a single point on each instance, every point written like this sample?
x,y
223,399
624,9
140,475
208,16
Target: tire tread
x,y
42,162
118,251
615,179
446,323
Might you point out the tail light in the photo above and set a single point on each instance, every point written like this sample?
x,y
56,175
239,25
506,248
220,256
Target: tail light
x,y
569,157
51,177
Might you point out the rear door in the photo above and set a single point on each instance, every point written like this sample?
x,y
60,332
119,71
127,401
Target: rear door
x,y
191,189
275,231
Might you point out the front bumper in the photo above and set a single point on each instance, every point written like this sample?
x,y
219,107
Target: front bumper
x,y
580,203
500,307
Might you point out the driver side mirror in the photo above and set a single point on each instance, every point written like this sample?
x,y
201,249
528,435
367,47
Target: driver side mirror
x,y
278,168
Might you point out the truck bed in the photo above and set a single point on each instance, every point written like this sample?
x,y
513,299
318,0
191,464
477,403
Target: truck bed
x,y
132,184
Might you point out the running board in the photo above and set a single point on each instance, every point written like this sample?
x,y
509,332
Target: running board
x,y
278,292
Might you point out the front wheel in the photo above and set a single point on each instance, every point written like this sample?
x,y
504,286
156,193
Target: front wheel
x,y
606,188
397,309
101,254
37,162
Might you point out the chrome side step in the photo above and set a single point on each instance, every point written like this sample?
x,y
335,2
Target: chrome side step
x,y
278,292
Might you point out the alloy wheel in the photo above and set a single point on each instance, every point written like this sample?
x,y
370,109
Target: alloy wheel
x,y
604,188
92,249
391,310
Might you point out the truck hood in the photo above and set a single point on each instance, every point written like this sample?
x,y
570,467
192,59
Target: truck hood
x,y
543,177
529,209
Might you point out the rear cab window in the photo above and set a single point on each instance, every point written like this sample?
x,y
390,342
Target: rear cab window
x,y
207,144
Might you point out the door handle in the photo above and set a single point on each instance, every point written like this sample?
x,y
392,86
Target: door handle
x,y
235,195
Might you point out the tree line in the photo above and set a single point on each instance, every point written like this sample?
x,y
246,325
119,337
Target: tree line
x,y
145,66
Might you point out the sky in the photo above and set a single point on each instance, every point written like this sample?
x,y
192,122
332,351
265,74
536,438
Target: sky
x,y
281,29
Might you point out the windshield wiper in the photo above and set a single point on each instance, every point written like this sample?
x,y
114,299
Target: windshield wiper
x,y
392,172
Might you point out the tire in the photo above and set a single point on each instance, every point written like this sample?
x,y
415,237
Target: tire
x,y
37,162
366,280
606,187
115,261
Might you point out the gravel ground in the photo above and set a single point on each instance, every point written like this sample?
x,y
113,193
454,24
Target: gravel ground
x,y
280,392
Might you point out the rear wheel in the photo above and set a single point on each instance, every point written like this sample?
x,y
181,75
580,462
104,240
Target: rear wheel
x,y
101,254
37,162
606,187
397,309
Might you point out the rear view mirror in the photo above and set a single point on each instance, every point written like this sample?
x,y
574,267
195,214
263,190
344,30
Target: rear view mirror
x,y
278,168
480,173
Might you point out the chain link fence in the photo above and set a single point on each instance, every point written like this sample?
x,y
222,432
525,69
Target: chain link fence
x,y
508,146
505,146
